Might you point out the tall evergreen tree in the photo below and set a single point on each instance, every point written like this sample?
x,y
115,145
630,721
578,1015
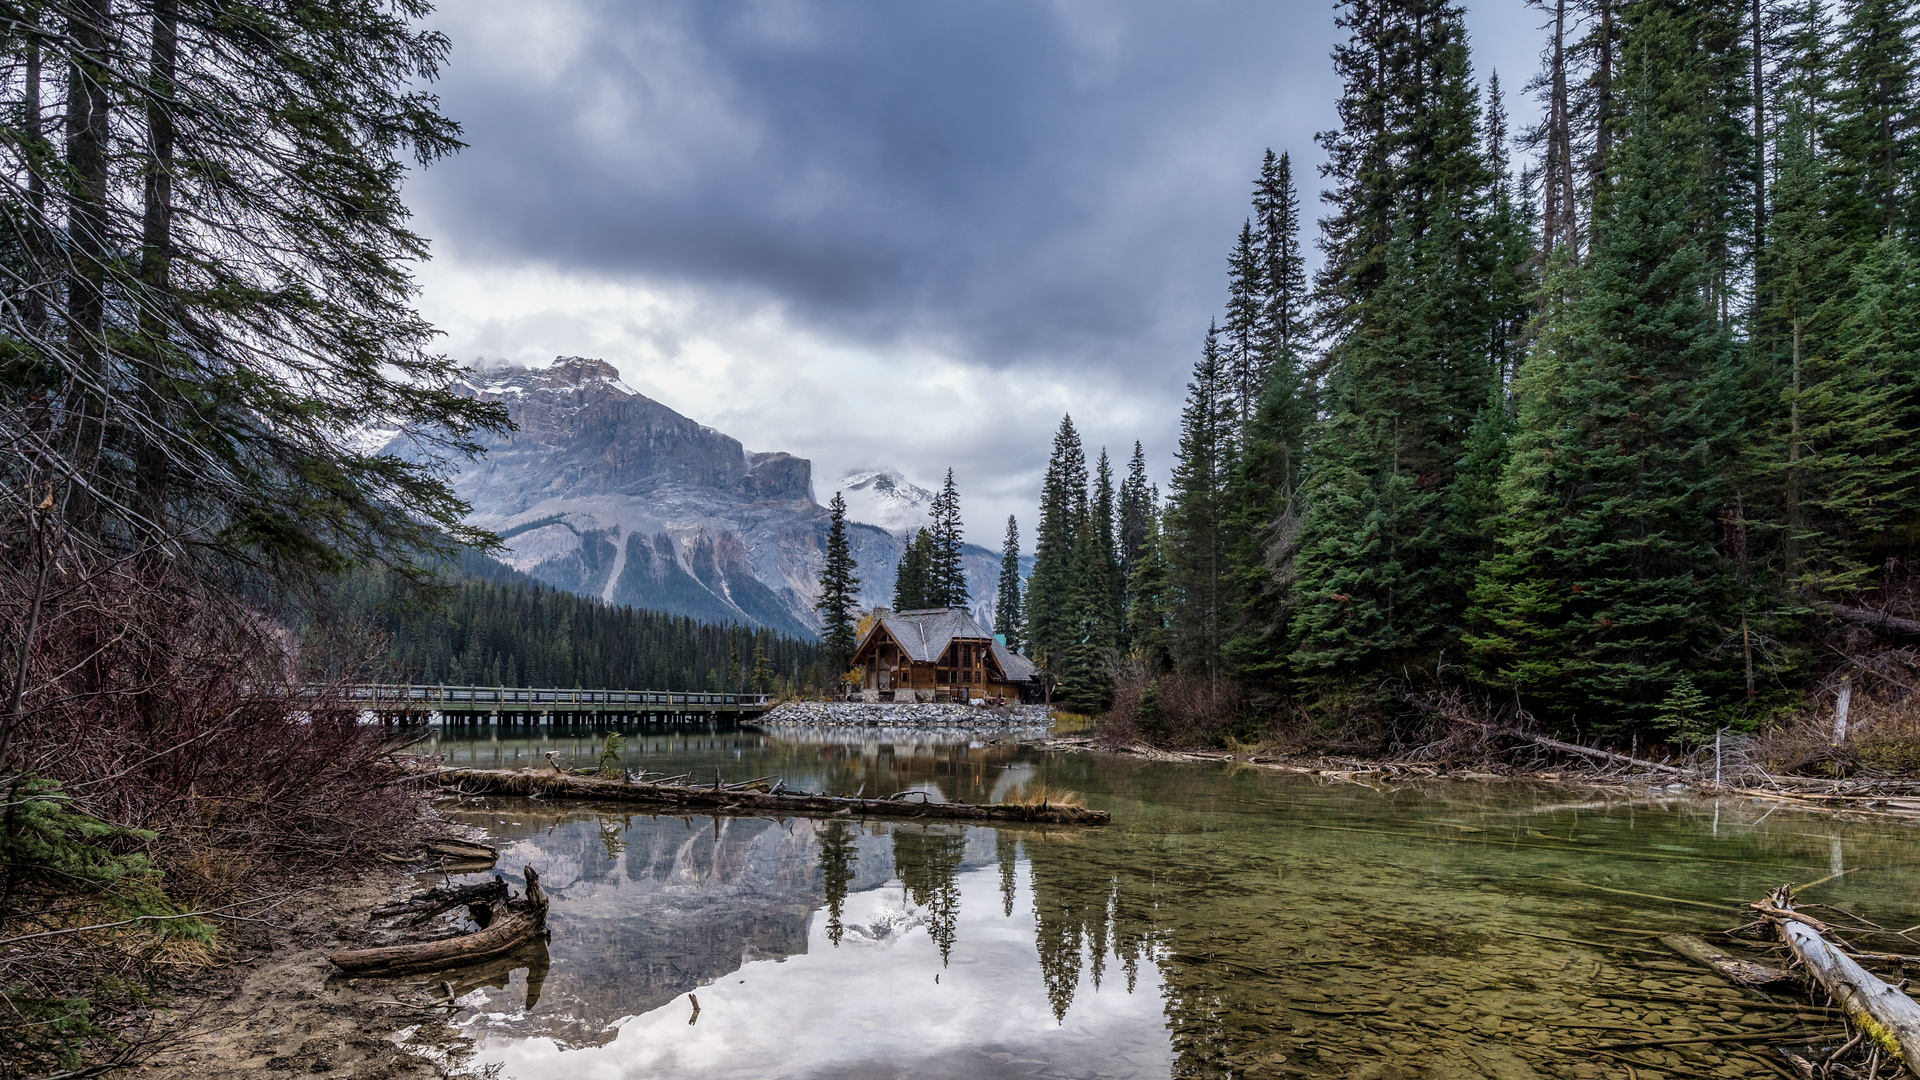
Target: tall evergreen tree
x,y
1380,587
1875,135
839,590
1087,659
1134,513
1063,505
1006,604
1247,356
1150,603
1195,523
946,570
211,286
1106,560
1263,515
1608,587
913,580
1286,333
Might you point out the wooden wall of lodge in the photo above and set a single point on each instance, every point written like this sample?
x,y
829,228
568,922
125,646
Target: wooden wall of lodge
x,y
909,674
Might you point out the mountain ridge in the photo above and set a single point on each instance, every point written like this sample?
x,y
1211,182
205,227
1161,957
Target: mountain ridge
x,y
604,491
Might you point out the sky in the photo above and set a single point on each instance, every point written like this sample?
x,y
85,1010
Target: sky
x,y
874,233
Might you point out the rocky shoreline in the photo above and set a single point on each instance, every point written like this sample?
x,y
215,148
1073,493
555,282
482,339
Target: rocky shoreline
x,y
926,714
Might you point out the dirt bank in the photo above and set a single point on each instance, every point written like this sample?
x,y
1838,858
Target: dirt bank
x,y
277,1008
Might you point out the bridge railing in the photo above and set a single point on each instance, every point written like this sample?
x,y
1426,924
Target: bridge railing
x,y
521,698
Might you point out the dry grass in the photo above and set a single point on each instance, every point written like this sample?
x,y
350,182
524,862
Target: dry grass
x,y
1039,793
1883,739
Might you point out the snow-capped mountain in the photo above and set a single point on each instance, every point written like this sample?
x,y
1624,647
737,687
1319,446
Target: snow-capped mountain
x,y
885,498
602,490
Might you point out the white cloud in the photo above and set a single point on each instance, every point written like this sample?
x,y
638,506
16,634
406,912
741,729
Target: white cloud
x,y
741,365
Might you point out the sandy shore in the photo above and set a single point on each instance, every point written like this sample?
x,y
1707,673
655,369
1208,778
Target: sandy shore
x,y
276,1008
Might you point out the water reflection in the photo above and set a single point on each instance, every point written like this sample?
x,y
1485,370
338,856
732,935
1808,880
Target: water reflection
x,y
1231,923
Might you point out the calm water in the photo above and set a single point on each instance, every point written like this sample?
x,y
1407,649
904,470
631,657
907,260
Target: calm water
x,y
1231,922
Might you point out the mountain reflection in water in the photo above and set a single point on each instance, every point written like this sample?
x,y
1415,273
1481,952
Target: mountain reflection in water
x,y
878,931
1231,922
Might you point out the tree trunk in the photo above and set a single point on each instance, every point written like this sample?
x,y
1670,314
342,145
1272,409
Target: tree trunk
x,y
1744,972
36,300
1884,1014
88,131
502,936
678,798
156,263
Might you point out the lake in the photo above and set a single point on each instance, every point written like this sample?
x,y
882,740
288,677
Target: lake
x,y
1231,921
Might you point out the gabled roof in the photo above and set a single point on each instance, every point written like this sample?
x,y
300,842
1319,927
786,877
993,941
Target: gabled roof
x,y
1018,668
924,635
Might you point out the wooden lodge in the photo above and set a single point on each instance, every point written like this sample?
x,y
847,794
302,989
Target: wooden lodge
x,y
940,654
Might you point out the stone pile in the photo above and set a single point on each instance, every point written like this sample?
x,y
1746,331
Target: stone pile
x,y
923,714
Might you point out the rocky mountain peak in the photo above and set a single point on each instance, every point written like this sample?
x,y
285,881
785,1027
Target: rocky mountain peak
x,y
884,497
566,375
604,491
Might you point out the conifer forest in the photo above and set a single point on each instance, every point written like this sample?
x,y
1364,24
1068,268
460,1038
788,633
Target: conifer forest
x,y
1609,423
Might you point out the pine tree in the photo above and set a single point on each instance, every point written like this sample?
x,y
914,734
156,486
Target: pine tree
x,y
946,570
1134,513
762,668
839,590
1006,605
1106,561
1285,328
1195,522
1875,135
1063,504
1086,674
1608,586
913,581
1149,622
1263,514
1381,586
1246,354
214,283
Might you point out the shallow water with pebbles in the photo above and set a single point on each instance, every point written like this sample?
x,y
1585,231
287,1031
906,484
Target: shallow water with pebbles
x,y
1231,922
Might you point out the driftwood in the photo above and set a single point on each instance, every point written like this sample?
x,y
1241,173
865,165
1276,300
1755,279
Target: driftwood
x,y
1744,972
461,849
521,923
446,898
1604,755
1890,625
1882,1013
677,798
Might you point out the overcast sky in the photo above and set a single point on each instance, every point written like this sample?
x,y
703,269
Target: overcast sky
x,y
873,231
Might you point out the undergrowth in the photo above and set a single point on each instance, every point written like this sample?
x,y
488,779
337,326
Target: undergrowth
x,y
179,778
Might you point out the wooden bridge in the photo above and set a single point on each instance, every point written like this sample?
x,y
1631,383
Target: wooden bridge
x,y
407,703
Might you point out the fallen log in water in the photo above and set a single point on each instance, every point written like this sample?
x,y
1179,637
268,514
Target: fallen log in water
x,y
461,849
1744,972
521,923
1884,1014
678,798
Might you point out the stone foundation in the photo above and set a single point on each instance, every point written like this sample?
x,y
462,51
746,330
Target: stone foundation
x,y
903,714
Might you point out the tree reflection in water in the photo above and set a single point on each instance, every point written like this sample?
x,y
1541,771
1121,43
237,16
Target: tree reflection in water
x,y
926,858
838,857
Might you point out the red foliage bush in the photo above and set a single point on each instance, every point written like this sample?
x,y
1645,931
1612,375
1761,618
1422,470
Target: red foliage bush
x,y
162,707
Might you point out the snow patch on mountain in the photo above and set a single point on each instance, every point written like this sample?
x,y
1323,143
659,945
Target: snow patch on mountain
x,y
884,497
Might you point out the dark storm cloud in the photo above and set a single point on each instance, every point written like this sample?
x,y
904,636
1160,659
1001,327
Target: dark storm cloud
x,y
1020,182
1024,179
